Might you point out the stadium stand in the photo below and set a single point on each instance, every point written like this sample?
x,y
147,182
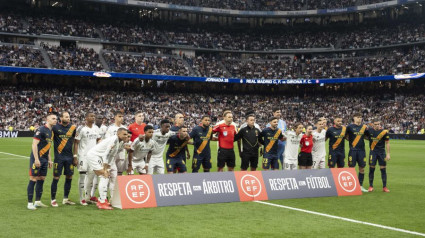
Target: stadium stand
x,y
265,5
399,110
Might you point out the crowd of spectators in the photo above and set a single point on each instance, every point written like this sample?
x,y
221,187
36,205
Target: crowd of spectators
x,y
380,63
132,34
382,36
390,62
21,56
263,69
361,37
206,66
146,64
253,40
386,62
11,23
22,108
61,26
73,58
270,5
264,39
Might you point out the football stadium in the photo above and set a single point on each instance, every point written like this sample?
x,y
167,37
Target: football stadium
x,y
212,118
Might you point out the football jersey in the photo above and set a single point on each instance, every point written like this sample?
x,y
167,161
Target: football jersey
x,y
112,130
87,138
226,135
319,144
199,135
142,148
356,136
63,140
45,136
136,130
102,131
161,140
377,139
268,135
292,144
107,149
177,147
336,139
307,143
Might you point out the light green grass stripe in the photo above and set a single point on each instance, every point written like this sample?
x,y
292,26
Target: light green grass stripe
x,y
344,219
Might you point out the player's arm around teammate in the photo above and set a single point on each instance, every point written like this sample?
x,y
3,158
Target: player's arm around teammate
x,y
176,152
64,135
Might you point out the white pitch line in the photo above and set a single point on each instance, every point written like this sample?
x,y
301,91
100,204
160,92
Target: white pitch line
x,y
26,157
344,219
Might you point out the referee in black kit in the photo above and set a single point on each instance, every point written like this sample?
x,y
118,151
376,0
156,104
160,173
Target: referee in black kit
x,y
250,136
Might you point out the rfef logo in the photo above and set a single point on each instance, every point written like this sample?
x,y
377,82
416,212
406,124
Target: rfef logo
x,y
346,182
136,191
251,186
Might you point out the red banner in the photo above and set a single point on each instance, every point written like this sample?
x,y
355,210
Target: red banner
x,y
251,186
346,182
134,192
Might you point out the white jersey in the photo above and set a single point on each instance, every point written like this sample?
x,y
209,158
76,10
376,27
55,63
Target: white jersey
x,y
142,148
107,149
112,130
319,144
87,137
102,131
292,145
161,141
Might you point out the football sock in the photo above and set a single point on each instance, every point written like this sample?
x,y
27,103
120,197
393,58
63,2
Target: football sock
x,y
30,190
112,181
95,184
103,188
81,180
88,184
54,188
67,188
371,176
39,189
361,178
384,177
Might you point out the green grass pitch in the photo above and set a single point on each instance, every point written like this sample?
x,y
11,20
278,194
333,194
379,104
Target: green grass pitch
x,y
403,207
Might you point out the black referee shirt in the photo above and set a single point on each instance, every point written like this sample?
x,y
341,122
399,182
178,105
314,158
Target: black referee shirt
x,y
251,139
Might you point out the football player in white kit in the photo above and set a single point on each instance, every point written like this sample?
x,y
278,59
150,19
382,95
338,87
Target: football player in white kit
x,y
141,149
102,128
293,139
99,122
86,138
319,145
120,164
161,136
101,158
112,130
